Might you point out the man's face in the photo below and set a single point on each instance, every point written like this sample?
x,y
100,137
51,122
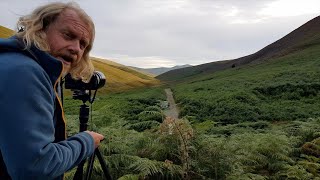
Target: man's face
x,y
68,37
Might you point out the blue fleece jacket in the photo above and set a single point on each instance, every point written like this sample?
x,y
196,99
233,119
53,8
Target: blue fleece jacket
x,y
27,123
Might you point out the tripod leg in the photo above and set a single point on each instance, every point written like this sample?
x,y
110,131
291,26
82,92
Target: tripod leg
x,y
79,173
90,167
103,165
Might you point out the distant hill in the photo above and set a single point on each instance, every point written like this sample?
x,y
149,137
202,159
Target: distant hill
x,y
303,37
119,77
160,70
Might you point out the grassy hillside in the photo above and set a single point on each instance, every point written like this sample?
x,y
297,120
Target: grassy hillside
x,y
5,32
120,77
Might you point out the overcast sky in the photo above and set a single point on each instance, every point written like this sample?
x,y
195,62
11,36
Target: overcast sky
x,y
165,33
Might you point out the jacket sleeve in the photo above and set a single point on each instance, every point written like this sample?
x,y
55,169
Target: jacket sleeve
x,y
27,128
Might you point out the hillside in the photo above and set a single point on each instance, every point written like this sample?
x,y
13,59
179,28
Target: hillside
x,y
279,82
286,88
303,37
5,32
267,112
119,77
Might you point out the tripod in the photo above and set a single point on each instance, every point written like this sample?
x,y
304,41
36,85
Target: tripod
x,y
83,117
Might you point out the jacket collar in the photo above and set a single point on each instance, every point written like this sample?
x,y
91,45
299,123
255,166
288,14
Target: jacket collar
x,y
52,66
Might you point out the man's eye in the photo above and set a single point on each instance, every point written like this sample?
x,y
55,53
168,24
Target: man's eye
x,y
83,44
67,35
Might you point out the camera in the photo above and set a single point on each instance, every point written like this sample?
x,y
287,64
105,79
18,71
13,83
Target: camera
x,y
97,81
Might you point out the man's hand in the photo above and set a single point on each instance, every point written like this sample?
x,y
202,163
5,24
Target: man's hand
x,y
97,138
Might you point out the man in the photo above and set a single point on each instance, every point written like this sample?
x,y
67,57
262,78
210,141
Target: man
x,y
54,40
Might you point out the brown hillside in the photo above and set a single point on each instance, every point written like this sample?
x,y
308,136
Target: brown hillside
x,y
5,32
302,37
120,77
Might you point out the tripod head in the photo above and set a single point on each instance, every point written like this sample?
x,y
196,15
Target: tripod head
x,y
82,90
83,95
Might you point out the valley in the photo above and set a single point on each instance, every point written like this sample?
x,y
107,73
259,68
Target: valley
x,y
254,117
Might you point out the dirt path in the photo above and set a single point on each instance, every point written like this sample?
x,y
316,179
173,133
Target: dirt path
x,y
173,111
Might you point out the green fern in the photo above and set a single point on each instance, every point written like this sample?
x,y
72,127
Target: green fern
x,y
147,167
296,172
129,177
143,166
153,108
141,126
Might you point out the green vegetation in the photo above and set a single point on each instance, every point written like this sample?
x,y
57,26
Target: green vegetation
x,y
282,89
257,121
254,122
261,121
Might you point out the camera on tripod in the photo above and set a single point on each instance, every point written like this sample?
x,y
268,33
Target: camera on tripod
x,y
97,81
82,90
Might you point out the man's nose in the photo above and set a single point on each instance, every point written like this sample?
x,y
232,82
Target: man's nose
x,y
75,47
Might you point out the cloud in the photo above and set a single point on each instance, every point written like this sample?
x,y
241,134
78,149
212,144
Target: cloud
x,y
285,8
143,62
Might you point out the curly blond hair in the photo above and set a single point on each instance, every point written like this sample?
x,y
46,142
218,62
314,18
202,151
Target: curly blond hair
x,y
33,32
